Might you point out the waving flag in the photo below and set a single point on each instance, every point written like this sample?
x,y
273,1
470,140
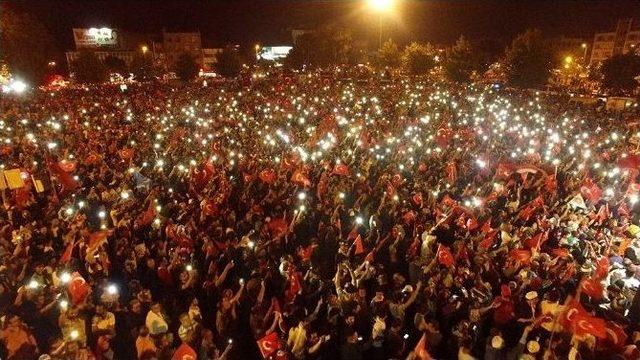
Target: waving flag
x,y
299,178
341,169
444,255
269,344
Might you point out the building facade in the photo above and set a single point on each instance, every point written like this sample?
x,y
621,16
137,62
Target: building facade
x,y
625,38
175,44
108,42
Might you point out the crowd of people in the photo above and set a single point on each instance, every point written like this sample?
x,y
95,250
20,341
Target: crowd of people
x,y
307,216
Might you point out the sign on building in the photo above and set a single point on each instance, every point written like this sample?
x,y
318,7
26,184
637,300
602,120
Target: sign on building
x,y
95,37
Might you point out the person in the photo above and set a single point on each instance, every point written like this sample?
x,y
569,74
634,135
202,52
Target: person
x,y
17,339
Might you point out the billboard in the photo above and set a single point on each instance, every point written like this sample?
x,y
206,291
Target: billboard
x,y
274,53
95,37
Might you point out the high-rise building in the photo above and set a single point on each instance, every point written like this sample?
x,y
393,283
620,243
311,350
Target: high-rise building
x,y
625,38
175,44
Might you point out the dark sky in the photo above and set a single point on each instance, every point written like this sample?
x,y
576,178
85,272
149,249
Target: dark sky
x,y
248,22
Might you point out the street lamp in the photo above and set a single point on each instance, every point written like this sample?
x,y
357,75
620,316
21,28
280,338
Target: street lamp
x,y
144,49
584,52
380,6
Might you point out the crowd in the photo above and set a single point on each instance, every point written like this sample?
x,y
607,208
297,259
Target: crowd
x,y
313,217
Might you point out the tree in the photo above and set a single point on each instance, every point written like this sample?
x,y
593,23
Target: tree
x,y
528,60
461,61
25,44
115,64
418,59
186,67
142,67
228,62
87,68
619,73
389,55
324,47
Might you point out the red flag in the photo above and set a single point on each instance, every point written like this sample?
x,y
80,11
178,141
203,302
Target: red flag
x,y
487,242
184,352
357,244
616,334
602,268
147,216
92,158
66,180
560,252
78,288
417,199
629,162
210,208
590,190
536,240
341,169
96,239
269,344
277,227
567,317
521,255
294,286
268,176
68,251
472,224
444,255
586,324
409,217
452,173
420,350
593,288
299,178
126,153
67,166
531,208
504,170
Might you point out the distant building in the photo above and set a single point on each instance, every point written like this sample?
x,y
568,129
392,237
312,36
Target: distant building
x,y
210,58
625,38
175,44
107,42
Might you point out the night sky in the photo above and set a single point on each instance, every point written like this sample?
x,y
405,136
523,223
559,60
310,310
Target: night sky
x,y
268,22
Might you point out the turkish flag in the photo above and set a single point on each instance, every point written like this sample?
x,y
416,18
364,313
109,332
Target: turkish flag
x,y
126,153
184,352
341,169
586,324
452,173
590,190
444,255
147,216
67,166
629,162
66,180
602,268
68,251
536,241
268,176
417,199
567,318
420,351
268,344
487,242
593,288
504,170
521,255
277,227
78,288
357,244
96,239
92,158
299,178
615,334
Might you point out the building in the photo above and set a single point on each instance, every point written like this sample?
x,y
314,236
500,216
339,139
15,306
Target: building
x,y
210,58
107,42
625,38
175,44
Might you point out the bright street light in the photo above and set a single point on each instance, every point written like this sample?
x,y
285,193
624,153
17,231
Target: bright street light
x,y
144,49
380,5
